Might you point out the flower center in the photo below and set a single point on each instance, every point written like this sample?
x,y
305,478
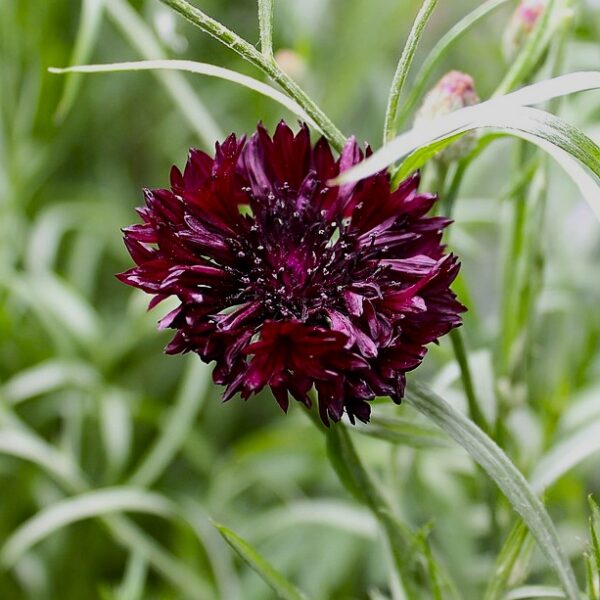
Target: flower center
x,y
293,260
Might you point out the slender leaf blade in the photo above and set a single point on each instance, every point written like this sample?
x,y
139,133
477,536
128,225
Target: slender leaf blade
x,y
71,510
282,587
507,477
199,69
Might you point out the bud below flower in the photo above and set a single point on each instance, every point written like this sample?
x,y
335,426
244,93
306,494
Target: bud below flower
x,y
520,26
291,63
453,91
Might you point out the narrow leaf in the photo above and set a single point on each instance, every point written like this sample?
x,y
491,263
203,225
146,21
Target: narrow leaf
x,y
559,139
57,465
144,41
528,592
595,536
505,563
71,510
89,25
404,432
566,455
498,466
193,390
282,587
199,69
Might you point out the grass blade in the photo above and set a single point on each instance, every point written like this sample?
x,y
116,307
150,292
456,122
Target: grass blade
x,y
57,465
282,587
193,391
498,466
143,40
506,560
566,455
71,510
528,592
560,140
199,69
89,25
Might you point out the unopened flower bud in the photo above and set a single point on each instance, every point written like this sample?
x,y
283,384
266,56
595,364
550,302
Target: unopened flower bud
x,y
453,91
291,63
521,25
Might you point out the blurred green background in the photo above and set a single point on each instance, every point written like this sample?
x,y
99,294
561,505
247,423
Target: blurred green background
x,y
88,400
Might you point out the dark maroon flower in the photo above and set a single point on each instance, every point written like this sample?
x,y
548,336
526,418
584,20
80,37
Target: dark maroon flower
x,y
286,281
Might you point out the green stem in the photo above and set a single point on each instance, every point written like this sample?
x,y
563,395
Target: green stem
x,y
475,412
406,59
265,23
524,64
360,484
439,52
266,64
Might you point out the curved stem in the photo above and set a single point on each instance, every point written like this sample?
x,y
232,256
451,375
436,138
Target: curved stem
x,y
266,64
439,52
408,54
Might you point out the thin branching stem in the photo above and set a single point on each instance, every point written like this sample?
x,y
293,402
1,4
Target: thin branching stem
x,y
247,51
265,23
406,59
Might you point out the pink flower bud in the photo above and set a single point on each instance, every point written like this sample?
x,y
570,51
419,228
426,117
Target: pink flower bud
x,y
453,91
520,26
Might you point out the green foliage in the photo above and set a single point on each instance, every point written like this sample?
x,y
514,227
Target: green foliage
x,y
114,458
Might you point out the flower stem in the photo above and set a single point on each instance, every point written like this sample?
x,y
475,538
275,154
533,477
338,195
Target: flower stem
x,y
475,411
439,52
408,54
524,65
265,23
265,63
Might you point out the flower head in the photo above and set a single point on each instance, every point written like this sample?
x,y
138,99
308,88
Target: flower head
x,y
287,282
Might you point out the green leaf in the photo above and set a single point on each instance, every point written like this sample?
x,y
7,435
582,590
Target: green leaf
x,y
404,432
282,587
116,429
134,579
89,26
510,481
590,577
594,535
192,393
200,69
559,139
349,468
528,592
26,446
71,510
565,455
506,560
143,40
46,377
